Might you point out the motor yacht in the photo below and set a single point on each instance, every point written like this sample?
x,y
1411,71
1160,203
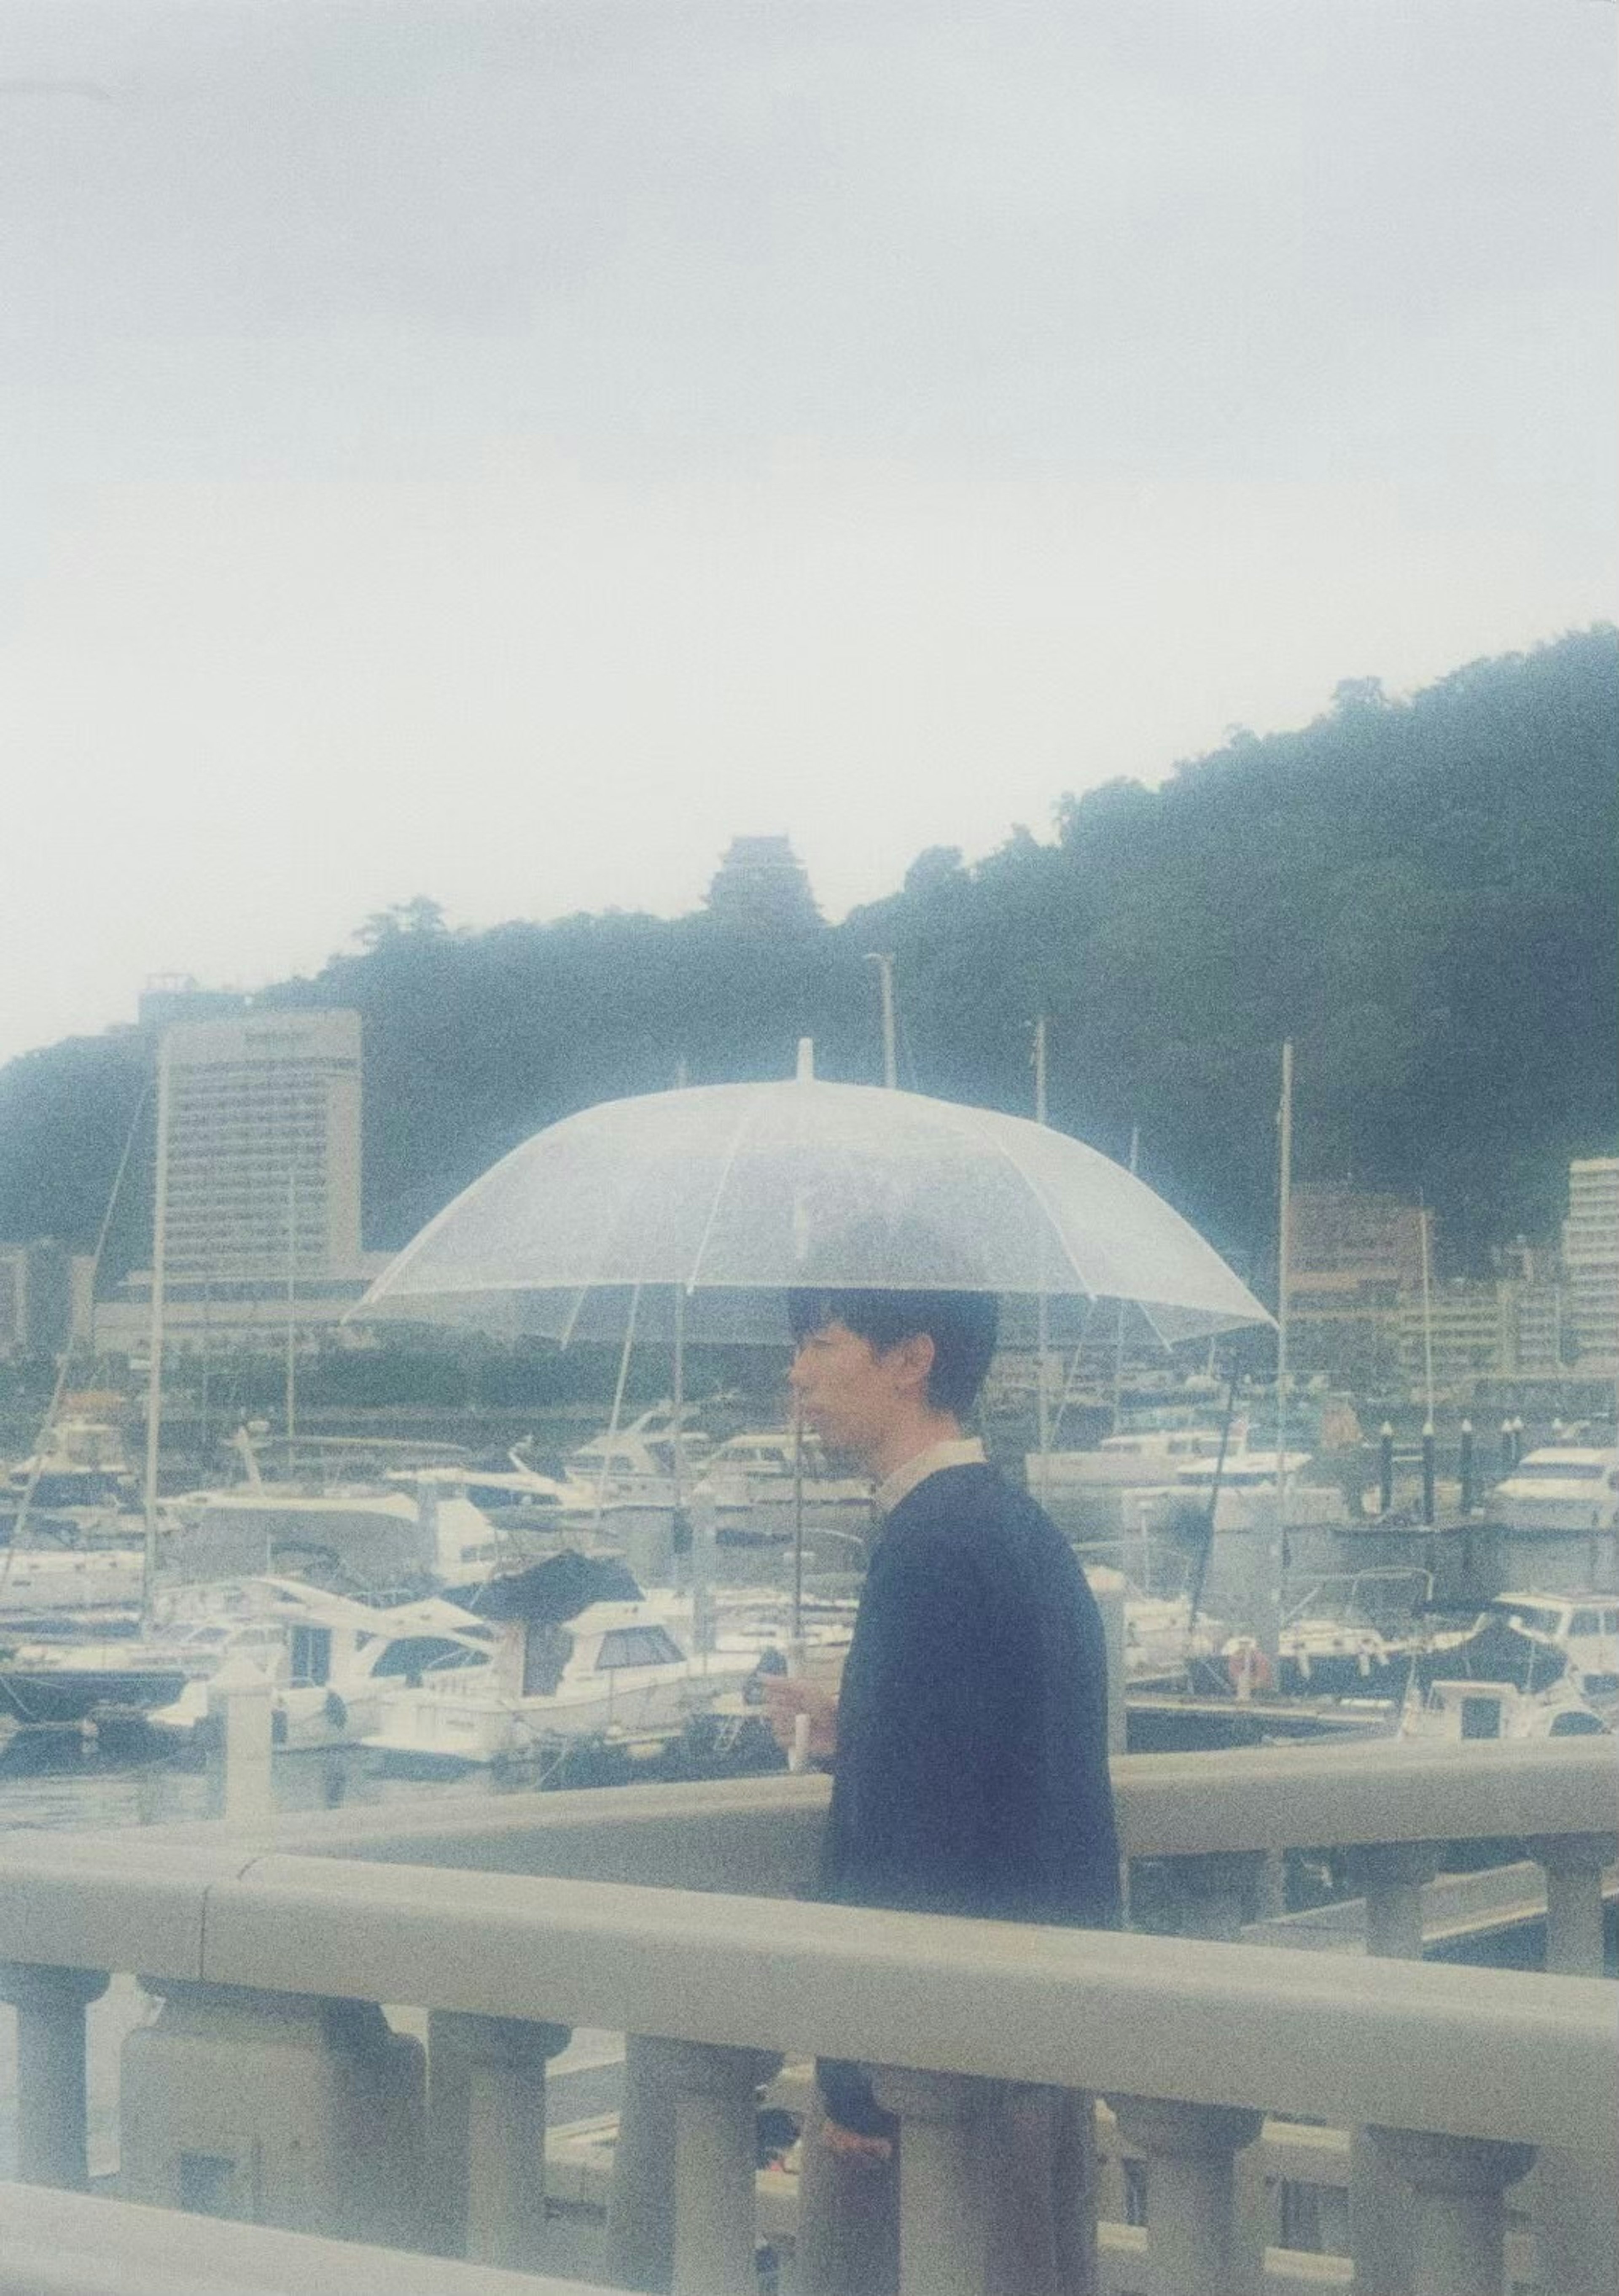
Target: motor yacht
x,y
755,1481
331,1662
1248,1494
379,1539
622,1675
81,1463
1132,1461
38,1582
1504,1679
1563,1487
1457,1710
1584,1627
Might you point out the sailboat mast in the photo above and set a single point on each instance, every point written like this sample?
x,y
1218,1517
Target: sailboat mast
x,y
1427,1323
1118,1335
291,1314
1283,1272
154,1345
1043,1336
1277,1606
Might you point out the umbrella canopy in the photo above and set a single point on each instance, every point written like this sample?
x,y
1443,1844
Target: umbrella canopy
x,y
709,1204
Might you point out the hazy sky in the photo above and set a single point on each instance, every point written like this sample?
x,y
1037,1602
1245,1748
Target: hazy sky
x,y
503,451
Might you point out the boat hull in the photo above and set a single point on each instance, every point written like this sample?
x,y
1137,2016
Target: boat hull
x,y
39,1696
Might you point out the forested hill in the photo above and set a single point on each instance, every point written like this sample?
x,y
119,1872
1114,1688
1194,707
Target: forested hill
x,y
1423,894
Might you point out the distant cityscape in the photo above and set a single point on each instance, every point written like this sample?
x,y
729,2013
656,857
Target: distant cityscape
x,y
263,1222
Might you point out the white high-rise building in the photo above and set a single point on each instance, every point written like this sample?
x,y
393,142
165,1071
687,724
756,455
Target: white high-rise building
x,y
263,1179
264,1147
1591,1260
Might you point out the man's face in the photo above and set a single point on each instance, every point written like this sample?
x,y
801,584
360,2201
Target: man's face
x,y
847,1391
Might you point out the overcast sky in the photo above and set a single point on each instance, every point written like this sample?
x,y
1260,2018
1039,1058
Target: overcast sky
x,y
503,451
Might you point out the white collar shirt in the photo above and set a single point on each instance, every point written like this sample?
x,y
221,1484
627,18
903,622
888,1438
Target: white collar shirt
x,y
960,1451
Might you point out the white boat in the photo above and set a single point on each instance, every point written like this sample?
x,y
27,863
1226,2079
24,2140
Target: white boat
x,y
37,1580
332,1662
380,1537
637,1464
81,1463
1351,1634
1564,1487
1509,1677
1162,1638
624,1675
1464,1709
1584,1627
515,1499
1248,1492
754,1479
1142,1460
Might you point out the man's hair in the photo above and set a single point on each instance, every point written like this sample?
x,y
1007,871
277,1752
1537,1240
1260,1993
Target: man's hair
x,y
961,1326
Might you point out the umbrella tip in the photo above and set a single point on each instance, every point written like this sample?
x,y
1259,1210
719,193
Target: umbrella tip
x,y
806,1061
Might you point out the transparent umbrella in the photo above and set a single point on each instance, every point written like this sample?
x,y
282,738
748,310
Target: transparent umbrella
x,y
698,1209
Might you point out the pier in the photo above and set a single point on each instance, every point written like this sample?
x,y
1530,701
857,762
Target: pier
x,y
285,2082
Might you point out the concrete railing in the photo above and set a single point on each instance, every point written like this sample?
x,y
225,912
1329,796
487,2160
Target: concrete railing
x,y
271,2085
54,2243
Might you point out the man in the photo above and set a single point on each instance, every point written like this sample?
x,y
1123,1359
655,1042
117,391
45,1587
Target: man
x,y
970,1738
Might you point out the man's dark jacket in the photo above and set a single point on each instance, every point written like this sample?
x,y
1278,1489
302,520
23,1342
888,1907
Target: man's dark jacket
x,y
971,1773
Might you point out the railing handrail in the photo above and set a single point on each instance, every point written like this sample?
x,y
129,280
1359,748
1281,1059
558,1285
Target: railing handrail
x,y
67,2245
1463,2052
1261,1800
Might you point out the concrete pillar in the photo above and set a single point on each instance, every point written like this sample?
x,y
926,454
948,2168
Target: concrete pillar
x,y
1575,2195
1390,1877
1256,2199
241,1698
486,2135
1216,1892
1574,2203
944,2248
1192,2243
277,2109
1573,1864
1458,2184
50,2004
1039,2161
641,2200
716,2163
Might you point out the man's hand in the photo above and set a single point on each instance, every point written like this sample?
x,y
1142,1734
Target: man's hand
x,y
789,1695
847,2144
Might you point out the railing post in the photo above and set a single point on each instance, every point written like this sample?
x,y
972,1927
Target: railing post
x,y
1575,2204
641,2198
944,2248
275,2108
1216,1890
240,1699
486,2135
1041,2166
51,2106
1391,1875
1573,1864
1192,2247
1459,2182
716,2164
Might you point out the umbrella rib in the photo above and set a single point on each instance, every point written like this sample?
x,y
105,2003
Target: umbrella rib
x,y
733,1148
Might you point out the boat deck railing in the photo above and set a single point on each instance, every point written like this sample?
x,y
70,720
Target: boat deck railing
x,y
271,2086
